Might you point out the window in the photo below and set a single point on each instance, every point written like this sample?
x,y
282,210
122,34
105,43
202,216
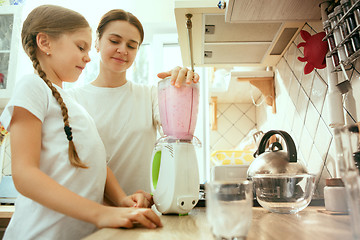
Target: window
x,y
139,71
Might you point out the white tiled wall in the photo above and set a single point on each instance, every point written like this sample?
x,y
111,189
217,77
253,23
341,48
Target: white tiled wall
x,y
302,110
235,120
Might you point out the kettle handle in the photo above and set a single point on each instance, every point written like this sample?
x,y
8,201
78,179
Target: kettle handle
x,y
290,145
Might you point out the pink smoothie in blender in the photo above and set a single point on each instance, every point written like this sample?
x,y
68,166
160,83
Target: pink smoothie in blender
x,y
178,109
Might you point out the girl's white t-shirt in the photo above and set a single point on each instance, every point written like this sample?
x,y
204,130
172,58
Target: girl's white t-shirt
x,y
127,119
32,220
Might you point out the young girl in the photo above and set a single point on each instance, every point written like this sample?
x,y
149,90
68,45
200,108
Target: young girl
x,y
58,158
126,114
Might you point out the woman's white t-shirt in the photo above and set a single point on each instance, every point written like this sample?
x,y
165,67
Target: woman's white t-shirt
x,y
32,220
127,119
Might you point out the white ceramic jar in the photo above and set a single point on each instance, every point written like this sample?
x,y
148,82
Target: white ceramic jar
x,y
335,195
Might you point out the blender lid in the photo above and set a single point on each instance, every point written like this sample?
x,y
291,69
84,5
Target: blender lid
x,y
168,139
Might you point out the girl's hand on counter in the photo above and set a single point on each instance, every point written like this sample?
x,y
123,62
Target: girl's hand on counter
x,y
115,217
179,74
137,199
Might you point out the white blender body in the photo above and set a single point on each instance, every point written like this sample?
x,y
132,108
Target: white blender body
x,y
175,177
174,173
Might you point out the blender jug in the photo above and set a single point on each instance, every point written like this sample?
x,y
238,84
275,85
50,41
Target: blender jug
x,y
178,109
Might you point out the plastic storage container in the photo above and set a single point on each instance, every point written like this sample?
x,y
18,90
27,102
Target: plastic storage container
x,y
335,195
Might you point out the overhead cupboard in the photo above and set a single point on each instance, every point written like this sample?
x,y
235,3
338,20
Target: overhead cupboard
x,y
242,32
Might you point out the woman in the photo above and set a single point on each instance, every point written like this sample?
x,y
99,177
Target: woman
x,y
126,114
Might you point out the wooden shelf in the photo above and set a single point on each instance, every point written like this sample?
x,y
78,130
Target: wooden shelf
x,y
213,109
266,86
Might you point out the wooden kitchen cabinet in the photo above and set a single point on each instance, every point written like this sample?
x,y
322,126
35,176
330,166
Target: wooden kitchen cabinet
x,y
6,212
4,222
249,42
10,25
272,10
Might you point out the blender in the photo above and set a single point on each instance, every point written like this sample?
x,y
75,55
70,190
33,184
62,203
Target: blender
x,y
174,173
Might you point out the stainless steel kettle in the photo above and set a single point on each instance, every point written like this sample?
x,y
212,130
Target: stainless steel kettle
x,y
276,160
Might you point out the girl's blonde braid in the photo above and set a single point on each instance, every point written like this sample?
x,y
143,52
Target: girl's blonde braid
x,y
73,156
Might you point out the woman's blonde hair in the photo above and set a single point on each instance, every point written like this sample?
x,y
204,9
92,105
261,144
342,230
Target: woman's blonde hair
x,y
53,21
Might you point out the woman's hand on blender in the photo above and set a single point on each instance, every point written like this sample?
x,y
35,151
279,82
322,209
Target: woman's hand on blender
x,y
148,196
179,74
137,199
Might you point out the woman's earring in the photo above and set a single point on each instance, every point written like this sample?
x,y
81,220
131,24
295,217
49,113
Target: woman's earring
x,y
47,54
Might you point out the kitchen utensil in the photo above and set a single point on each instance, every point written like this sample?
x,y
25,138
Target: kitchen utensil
x,y
229,208
178,109
257,137
174,172
347,143
284,193
276,160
